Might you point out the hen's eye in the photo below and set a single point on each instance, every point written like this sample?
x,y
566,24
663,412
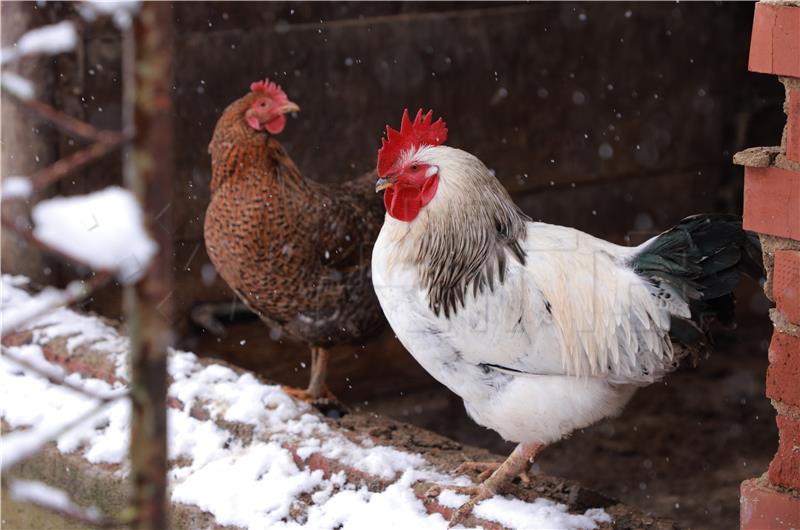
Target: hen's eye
x,y
413,167
263,104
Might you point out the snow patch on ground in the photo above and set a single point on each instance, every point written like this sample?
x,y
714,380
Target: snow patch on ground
x,y
541,514
31,400
16,304
17,317
359,509
102,229
255,486
250,484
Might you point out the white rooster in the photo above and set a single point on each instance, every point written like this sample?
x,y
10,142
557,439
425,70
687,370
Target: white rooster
x,y
540,329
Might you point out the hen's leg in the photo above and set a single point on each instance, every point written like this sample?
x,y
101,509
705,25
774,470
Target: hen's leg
x,y
517,462
211,316
317,389
319,372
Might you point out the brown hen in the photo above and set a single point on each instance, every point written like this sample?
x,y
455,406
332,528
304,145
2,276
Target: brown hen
x,y
296,252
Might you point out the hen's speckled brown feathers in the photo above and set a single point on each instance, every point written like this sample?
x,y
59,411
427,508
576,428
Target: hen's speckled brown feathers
x,y
297,252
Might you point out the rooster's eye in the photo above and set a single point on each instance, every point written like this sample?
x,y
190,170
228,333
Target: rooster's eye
x,y
263,104
413,167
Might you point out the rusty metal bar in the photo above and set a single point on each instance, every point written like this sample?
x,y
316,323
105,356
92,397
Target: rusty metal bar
x,y
104,141
147,73
64,121
60,169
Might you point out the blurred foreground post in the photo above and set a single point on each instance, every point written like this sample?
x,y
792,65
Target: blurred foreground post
x,y
148,305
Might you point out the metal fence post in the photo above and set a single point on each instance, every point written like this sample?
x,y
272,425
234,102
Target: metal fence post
x,y
149,173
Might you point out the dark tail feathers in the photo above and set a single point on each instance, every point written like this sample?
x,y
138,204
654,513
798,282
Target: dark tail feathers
x,y
702,258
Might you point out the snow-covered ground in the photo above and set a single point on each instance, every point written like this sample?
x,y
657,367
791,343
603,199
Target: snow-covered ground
x,y
250,484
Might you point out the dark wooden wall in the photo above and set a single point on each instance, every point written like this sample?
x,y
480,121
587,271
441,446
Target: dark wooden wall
x,y
613,118
618,119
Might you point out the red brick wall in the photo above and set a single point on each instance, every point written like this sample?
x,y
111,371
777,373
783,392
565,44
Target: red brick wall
x,y
772,208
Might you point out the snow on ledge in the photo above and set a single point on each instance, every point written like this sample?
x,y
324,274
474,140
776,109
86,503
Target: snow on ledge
x,y
102,229
249,484
81,330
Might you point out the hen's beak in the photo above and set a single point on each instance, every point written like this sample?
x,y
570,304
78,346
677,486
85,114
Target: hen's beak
x,y
383,183
289,107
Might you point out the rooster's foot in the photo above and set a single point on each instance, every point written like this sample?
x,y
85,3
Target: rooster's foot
x,y
515,465
487,468
477,494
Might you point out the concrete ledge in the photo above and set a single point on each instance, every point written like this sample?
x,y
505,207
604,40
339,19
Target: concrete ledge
x,y
354,450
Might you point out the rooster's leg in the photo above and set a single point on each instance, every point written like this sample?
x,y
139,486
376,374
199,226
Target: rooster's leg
x,y
486,469
517,462
317,389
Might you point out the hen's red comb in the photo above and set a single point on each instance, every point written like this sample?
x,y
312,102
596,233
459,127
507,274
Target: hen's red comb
x,y
271,89
421,132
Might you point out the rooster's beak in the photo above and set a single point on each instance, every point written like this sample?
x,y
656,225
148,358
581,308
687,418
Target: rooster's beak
x,y
383,183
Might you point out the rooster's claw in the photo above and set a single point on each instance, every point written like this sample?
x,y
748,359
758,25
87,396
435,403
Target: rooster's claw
x,y
487,468
476,493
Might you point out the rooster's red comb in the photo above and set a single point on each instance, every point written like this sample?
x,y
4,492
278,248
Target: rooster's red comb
x,y
271,89
411,135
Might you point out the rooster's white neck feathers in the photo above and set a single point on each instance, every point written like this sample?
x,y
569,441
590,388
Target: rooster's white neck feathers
x,y
459,241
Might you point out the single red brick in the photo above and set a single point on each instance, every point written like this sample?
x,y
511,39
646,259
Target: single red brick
x,y
783,374
784,470
793,128
772,201
761,40
775,42
762,508
786,284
